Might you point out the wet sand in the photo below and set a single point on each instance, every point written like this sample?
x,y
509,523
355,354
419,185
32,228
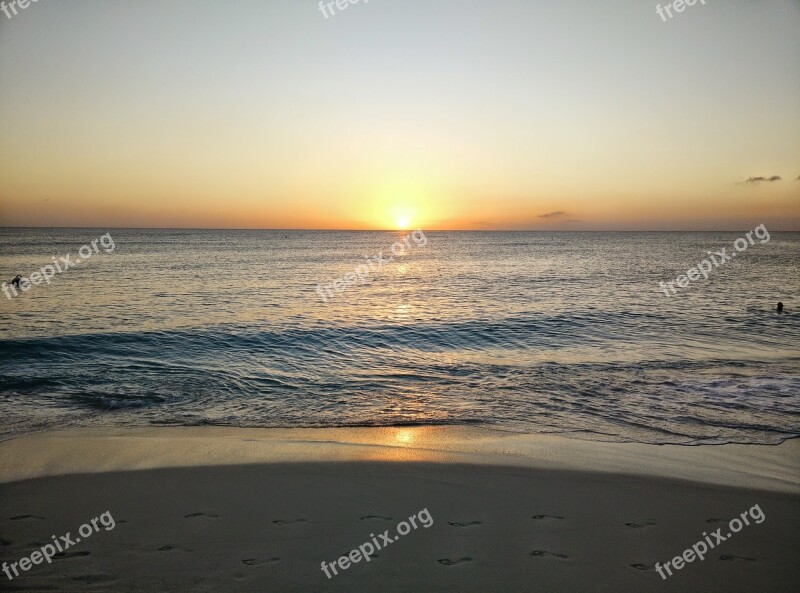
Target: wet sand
x,y
529,524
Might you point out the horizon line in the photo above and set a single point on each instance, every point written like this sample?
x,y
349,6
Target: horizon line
x,y
409,230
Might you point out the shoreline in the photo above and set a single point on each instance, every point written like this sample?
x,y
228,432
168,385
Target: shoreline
x,y
78,451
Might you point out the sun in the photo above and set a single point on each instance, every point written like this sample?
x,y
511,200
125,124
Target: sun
x,y
402,223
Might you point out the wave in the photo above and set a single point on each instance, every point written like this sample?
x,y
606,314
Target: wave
x,y
631,376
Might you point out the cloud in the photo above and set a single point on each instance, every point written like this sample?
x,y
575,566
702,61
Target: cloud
x,y
557,214
755,180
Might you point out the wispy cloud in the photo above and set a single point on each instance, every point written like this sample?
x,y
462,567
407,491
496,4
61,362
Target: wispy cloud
x,y
756,180
557,214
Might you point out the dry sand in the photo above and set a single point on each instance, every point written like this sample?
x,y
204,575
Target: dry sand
x,y
259,510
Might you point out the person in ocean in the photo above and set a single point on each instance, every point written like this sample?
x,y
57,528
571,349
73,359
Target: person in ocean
x,y
780,307
16,280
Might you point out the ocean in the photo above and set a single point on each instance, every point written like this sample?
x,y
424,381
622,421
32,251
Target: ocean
x,y
536,332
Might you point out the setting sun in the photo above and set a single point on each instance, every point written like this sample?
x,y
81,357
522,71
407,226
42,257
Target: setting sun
x,y
402,223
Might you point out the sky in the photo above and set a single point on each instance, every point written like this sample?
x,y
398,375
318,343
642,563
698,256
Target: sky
x,y
530,115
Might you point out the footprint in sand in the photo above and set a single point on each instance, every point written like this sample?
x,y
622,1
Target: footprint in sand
x,y
89,579
640,525
68,555
194,515
256,562
729,558
449,562
347,553
465,524
642,566
289,521
541,553
169,548
371,517
541,517
27,517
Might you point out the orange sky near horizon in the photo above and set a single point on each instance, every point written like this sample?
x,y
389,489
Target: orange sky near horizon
x,y
777,211
533,116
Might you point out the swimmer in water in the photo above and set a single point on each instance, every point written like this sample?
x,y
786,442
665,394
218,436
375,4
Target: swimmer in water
x,y
14,285
780,307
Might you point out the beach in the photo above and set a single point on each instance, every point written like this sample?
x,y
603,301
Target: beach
x,y
429,297
221,509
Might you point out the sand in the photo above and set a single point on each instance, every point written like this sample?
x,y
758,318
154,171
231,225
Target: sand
x,y
259,510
